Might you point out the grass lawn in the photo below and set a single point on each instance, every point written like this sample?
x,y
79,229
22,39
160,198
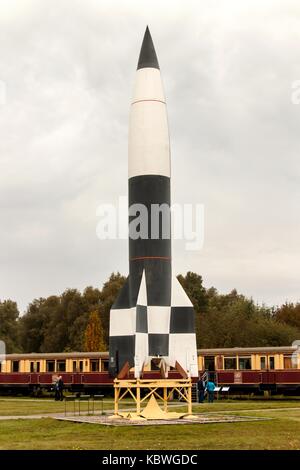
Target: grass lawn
x,y
23,406
18,407
283,432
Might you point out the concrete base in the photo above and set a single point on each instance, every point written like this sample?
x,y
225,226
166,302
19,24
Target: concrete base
x,y
195,419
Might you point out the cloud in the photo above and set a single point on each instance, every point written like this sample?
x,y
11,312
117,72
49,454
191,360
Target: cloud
x,y
68,69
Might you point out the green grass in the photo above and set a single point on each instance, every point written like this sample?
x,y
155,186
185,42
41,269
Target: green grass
x,y
231,406
282,432
21,407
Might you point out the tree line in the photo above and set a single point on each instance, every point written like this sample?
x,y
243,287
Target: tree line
x,y
75,321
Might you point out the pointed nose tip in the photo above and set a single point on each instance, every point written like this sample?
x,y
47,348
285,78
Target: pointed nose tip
x,y
147,56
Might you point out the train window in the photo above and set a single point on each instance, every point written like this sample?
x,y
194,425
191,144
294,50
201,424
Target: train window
x,y
272,362
244,363
50,366
263,363
15,366
229,362
61,366
74,366
94,365
80,366
209,363
287,361
34,366
104,365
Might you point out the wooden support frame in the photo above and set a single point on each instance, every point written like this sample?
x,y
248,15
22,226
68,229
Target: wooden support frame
x,y
161,389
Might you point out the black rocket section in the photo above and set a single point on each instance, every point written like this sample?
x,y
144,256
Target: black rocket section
x,y
151,255
147,56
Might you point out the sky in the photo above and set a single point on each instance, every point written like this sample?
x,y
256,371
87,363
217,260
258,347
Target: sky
x,y
67,71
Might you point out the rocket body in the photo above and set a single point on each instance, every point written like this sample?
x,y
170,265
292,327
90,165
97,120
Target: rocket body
x,y
152,316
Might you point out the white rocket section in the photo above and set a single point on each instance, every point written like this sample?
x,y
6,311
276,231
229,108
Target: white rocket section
x,y
148,85
159,319
141,357
183,349
141,339
122,322
178,295
149,148
142,295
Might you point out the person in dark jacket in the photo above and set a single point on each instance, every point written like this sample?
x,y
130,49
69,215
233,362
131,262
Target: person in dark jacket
x,y
60,386
201,390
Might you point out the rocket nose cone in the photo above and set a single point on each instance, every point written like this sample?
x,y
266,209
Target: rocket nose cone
x,y
147,56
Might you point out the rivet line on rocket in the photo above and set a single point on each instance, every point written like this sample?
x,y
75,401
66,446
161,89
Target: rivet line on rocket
x,y
141,101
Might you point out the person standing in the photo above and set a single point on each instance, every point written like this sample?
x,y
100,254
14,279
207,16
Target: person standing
x,y
210,387
56,390
201,390
60,388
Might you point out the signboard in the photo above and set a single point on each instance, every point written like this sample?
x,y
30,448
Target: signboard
x,y
238,377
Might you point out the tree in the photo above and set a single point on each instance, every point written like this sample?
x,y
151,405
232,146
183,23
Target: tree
x,y
9,327
192,283
232,320
72,321
289,314
109,293
32,324
93,336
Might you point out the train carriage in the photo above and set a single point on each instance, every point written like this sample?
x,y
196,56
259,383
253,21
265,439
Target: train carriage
x,y
242,369
256,369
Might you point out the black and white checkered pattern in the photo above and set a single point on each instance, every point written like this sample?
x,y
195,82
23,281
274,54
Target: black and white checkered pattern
x,y
144,331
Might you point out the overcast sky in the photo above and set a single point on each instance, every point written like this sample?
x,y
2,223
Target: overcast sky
x,y
67,70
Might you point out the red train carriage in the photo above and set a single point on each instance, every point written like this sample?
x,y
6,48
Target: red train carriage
x,y
242,369
254,369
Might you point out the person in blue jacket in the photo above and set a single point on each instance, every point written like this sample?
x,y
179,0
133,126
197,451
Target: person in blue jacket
x,y
210,387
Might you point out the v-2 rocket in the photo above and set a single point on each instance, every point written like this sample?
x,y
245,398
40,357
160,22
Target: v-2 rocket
x,y
152,316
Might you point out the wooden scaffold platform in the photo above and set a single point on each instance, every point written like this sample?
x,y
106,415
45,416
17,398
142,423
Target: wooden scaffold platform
x,y
152,392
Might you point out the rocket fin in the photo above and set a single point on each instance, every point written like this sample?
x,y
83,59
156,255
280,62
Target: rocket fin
x,y
141,336
182,340
121,331
179,296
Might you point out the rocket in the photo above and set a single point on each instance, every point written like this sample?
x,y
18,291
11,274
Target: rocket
x,y
152,317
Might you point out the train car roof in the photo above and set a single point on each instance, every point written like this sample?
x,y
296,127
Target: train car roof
x,y
202,352
250,350
63,355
